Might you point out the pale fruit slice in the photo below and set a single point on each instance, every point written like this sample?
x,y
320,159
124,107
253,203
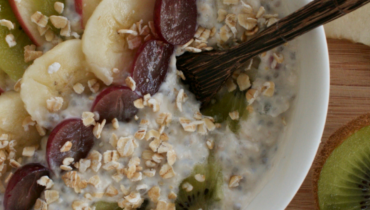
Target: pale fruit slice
x,y
12,115
12,58
3,79
26,8
85,9
354,26
104,48
38,85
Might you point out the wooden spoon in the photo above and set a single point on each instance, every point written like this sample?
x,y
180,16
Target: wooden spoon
x,y
206,72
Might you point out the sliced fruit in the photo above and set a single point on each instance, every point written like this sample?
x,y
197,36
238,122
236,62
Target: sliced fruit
x,y
22,190
176,21
73,130
151,65
39,85
342,170
205,193
26,8
352,26
85,9
101,205
12,58
12,115
3,79
104,48
224,103
116,102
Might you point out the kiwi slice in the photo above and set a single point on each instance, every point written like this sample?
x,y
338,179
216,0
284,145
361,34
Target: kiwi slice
x,y
204,194
102,205
342,172
226,102
12,59
223,104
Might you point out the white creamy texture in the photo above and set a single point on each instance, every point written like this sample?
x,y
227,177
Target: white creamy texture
x,y
190,147
250,153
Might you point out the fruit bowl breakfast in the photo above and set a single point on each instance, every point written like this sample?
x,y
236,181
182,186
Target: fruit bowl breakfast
x,y
94,113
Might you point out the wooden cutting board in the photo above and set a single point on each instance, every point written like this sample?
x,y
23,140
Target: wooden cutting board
x,y
349,98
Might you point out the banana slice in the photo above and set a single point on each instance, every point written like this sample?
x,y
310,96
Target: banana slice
x,y
12,115
43,81
104,48
353,26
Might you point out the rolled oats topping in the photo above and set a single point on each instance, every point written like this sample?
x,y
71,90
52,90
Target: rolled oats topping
x,y
45,181
98,128
7,23
126,146
78,88
59,7
40,19
234,181
51,196
29,151
166,171
10,39
40,205
183,138
54,104
58,21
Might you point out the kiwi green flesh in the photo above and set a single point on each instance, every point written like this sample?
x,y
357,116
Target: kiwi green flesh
x,y
204,194
12,59
102,205
344,181
46,7
227,102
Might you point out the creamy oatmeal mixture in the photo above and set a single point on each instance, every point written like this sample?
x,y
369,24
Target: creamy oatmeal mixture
x,y
130,161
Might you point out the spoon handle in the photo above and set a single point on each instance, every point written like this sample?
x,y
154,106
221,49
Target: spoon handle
x,y
312,15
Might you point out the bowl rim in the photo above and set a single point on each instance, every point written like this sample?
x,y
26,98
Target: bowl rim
x,y
290,184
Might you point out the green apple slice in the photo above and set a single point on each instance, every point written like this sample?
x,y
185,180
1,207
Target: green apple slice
x,y
12,58
26,8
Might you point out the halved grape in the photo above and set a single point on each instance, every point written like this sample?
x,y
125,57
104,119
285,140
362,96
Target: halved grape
x,y
73,130
1,91
116,102
175,21
22,190
151,65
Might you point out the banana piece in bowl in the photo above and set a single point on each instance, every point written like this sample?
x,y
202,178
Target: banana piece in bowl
x,y
48,83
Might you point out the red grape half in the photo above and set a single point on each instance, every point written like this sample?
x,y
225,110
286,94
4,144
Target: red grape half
x,y
73,130
175,20
116,102
151,65
22,190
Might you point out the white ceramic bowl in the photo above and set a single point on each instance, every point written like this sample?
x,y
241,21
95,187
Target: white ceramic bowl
x,y
302,138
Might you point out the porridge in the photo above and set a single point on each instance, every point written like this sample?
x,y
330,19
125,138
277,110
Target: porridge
x,y
103,120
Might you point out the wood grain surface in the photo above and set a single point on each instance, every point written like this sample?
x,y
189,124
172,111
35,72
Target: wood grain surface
x,y
349,98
